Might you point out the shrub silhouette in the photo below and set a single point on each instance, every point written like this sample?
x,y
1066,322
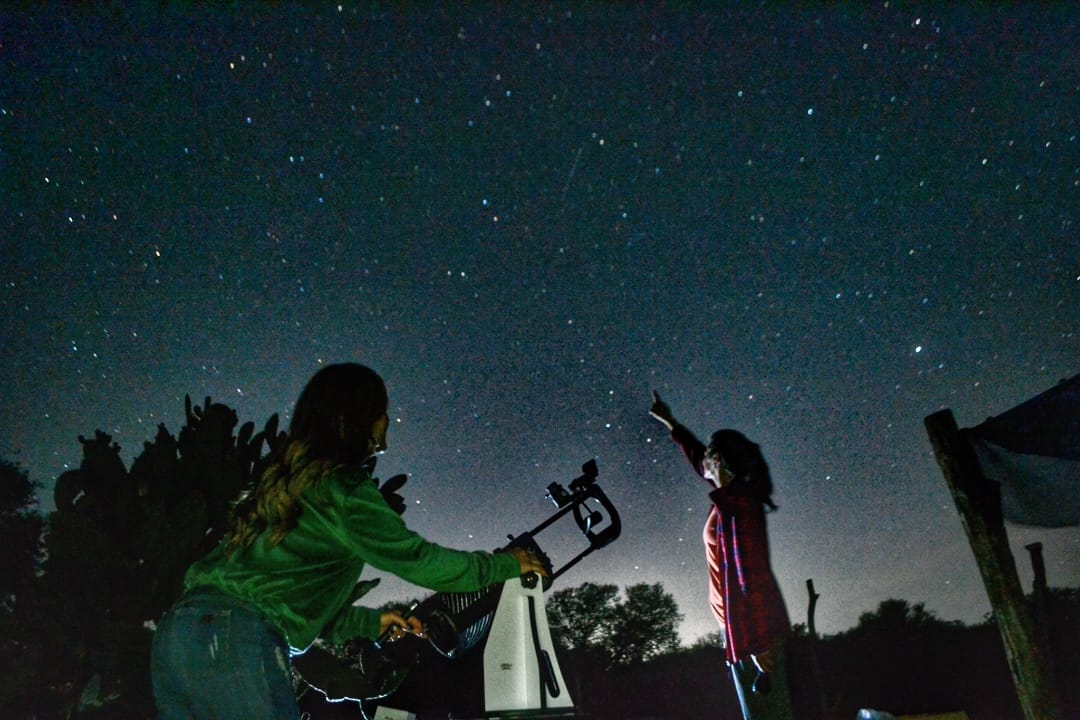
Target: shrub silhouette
x,y
117,547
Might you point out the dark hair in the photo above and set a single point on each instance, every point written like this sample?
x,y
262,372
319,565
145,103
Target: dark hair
x,y
335,411
330,427
743,457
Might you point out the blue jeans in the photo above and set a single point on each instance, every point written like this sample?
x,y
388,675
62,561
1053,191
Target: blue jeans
x,y
216,658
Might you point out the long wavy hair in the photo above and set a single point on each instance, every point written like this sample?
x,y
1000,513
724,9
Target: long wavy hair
x,y
330,427
744,459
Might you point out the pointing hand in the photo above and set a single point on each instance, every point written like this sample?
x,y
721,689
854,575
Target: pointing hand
x,y
661,411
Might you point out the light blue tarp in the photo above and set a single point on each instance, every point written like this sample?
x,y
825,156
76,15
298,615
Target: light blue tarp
x,y
1033,452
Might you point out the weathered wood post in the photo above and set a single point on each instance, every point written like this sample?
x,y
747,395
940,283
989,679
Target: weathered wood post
x,y
1039,588
979,504
1040,600
815,664
810,628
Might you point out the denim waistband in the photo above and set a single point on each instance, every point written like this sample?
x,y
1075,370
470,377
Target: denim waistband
x,y
218,598
208,593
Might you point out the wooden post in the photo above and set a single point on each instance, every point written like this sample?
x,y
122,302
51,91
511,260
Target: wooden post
x,y
979,504
810,611
1039,588
1040,599
815,665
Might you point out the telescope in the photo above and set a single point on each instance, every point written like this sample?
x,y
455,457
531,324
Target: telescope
x,y
521,673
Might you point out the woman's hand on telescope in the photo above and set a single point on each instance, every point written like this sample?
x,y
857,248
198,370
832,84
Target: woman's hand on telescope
x,y
529,561
398,626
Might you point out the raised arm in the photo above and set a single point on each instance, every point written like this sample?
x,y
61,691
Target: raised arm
x,y
692,448
662,412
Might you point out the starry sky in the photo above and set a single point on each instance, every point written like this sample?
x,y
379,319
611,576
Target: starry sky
x,y
816,224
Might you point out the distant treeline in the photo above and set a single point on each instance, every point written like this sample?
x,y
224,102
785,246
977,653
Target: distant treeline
x,y
80,592
898,658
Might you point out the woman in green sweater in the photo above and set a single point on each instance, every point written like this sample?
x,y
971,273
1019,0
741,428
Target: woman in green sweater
x,y
285,574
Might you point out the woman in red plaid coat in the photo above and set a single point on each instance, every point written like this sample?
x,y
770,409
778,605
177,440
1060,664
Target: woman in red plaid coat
x,y
743,593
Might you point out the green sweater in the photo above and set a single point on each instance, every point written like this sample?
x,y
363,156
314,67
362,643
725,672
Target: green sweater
x,y
304,584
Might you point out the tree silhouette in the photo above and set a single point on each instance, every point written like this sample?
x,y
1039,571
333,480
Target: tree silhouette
x,y
899,617
591,619
900,657
21,526
714,639
581,617
21,548
118,546
597,633
645,625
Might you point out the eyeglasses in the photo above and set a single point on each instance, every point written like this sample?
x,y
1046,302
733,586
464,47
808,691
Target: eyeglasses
x,y
717,457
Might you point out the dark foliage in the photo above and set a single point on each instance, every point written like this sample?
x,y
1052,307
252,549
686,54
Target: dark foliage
x,y
903,659
20,533
21,554
592,621
899,658
581,617
117,547
1063,623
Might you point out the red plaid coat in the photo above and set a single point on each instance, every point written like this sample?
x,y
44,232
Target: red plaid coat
x,y
743,592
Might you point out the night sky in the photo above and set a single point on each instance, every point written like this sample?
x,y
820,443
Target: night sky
x,y
814,224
